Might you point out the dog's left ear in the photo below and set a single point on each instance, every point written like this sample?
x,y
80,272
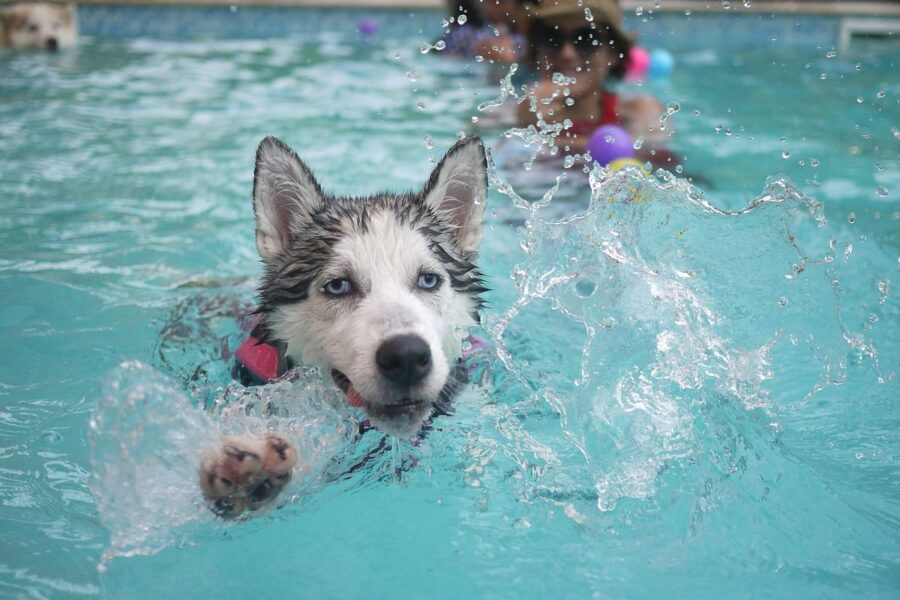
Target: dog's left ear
x,y
457,191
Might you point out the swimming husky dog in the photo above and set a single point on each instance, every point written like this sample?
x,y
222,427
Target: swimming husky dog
x,y
373,290
38,25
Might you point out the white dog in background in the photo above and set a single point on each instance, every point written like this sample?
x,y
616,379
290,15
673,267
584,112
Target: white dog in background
x,y
37,25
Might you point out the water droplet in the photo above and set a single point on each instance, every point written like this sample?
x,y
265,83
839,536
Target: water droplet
x,y
881,191
728,131
878,167
461,19
412,75
420,105
823,76
873,318
570,101
672,108
794,339
440,45
568,161
830,54
588,15
638,143
639,11
782,301
479,59
726,4
881,94
859,455
718,128
851,218
429,142
696,112
785,154
585,288
814,162
858,67
679,169
474,118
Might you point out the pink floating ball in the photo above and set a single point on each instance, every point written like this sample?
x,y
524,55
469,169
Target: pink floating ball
x,y
609,143
368,26
638,63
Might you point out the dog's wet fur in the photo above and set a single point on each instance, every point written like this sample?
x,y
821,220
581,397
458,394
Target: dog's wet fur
x,y
37,25
377,291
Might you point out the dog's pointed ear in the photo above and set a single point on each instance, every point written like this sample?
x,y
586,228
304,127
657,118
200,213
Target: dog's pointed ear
x,y
285,194
457,191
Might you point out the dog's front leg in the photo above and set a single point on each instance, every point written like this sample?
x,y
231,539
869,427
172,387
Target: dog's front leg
x,y
246,473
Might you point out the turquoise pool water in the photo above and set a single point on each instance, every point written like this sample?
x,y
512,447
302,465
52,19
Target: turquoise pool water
x,y
694,395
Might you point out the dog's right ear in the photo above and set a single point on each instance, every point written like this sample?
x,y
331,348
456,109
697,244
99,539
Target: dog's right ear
x,y
285,195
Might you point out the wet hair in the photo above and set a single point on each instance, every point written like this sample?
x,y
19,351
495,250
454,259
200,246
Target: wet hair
x,y
619,44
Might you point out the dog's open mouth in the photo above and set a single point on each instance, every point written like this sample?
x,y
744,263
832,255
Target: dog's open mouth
x,y
400,408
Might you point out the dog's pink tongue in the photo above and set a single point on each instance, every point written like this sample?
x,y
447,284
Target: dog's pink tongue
x,y
353,397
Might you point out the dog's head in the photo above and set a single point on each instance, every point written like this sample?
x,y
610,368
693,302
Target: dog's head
x,y
379,290
36,25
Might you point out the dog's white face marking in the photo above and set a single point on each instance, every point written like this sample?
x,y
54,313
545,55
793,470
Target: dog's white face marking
x,y
42,26
369,271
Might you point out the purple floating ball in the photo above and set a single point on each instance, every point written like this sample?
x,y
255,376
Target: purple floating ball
x,y
610,142
368,26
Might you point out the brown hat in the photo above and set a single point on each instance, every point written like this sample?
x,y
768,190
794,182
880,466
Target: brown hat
x,y
602,11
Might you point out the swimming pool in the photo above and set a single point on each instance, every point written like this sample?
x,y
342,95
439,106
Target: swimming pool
x,y
655,424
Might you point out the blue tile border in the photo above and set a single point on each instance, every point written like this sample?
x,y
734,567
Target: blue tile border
x,y
675,31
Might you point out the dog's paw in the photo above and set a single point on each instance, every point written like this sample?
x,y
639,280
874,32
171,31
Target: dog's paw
x,y
246,473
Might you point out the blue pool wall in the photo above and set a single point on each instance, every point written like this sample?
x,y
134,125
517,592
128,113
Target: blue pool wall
x,y
672,30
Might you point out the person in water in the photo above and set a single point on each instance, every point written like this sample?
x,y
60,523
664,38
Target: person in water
x,y
584,41
492,29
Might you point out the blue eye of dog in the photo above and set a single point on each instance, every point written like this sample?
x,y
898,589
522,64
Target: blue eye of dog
x,y
428,281
337,287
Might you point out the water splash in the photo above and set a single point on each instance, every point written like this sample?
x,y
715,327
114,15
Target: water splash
x,y
146,439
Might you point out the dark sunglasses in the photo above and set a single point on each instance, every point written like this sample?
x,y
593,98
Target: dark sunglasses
x,y
586,40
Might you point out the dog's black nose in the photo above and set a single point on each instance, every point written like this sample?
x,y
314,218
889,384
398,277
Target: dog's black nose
x,y
52,44
404,360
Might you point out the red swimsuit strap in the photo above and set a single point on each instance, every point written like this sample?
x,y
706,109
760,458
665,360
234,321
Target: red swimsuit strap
x,y
609,115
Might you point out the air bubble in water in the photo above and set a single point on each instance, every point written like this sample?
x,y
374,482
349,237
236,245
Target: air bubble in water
x,y
588,15
440,45
608,322
830,54
878,167
461,19
814,162
420,105
568,161
679,169
429,142
638,142
851,218
881,94
747,3
672,108
585,288
51,437
858,67
639,11
785,154
726,4
881,191
412,75
859,100
895,132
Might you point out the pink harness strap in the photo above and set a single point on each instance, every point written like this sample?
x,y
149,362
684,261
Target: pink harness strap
x,y
259,358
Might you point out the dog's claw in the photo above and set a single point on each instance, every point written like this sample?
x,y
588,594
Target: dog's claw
x,y
246,473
